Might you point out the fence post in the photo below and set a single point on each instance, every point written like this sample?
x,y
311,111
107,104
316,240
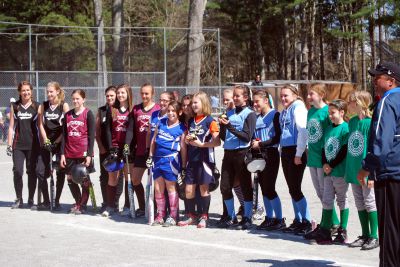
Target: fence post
x,y
219,58
165,59
30,46
37,85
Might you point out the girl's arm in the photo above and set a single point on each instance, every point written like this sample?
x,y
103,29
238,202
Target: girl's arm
x,y
98,134
184,150
91,132
41,124
11,127
153,143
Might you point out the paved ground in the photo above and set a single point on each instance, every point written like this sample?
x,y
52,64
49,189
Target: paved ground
x,y
31,238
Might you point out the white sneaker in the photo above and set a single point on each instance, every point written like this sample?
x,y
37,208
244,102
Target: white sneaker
x,y
169,222
125,212
108,212
259,214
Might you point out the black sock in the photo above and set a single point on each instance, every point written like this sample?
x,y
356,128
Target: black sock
x,y
191,206
139,190
59,185
205,204
85,192
44,187
75,191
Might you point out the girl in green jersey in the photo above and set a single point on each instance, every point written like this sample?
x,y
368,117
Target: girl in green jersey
x,y
364,196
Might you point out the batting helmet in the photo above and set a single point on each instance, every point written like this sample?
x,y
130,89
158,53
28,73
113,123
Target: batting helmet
x,y
113,163
79,173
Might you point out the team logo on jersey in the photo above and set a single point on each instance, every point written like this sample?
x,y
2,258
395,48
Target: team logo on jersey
x,y
356,144
121,121
73,128
314,132
24,115
331,148
51,116
143,121
197,130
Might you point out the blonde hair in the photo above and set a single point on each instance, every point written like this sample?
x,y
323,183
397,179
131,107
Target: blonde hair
x,y
320,89
61,95
205,102
362,99
228,91
295,90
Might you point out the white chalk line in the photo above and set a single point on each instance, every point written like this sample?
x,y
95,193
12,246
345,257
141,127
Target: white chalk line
x,y
211,245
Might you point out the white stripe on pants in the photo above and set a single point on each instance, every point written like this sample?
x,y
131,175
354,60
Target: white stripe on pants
x,y
317,178
364,197
335,186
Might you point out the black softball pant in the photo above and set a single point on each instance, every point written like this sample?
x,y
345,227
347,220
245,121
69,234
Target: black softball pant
x,y
43,172
268,176
30,159
233,166
387,196
293,173
104,182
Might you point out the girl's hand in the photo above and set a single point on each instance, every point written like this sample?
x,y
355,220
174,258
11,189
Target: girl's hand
x,y
223,121
370,184
297,160
87,161
327,169
63,162
256,145
196,143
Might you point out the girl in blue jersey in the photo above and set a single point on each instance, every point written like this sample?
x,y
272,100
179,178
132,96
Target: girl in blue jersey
x,y
236,131
267,136
293,121
168,149
202,138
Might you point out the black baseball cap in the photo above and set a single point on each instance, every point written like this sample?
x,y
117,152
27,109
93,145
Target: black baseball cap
x,y
389,68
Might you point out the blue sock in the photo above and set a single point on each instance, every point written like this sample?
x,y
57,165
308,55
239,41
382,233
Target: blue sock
x,y
248,209
297,214
303,208
277,207
268,207
230,207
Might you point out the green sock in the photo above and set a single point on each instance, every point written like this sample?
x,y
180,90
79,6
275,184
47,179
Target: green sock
x,y
335,219
322,217
327,219
373,222
363,216
344,218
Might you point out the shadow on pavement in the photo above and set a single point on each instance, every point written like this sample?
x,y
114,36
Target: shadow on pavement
x,y
308,263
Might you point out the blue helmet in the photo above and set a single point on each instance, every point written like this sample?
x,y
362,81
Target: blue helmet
x,y
113,163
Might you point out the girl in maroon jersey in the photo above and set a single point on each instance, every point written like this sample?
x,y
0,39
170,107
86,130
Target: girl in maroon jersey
x,y
117,125
77,147
141,118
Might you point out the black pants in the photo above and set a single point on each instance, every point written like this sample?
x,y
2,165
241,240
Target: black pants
x,y
104,182
43,172
269,175
233,166
387,196
293,173
30,158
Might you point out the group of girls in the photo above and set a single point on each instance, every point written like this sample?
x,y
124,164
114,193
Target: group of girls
x,y
161,136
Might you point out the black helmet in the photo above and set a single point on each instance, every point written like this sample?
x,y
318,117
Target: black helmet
x,y
113,163
79,173
213,186
254,161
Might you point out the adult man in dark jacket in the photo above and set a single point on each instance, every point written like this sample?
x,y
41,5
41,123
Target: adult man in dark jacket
x,y
382,162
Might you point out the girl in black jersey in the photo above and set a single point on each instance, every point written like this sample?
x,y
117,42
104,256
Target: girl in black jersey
x,y
50,116
23,140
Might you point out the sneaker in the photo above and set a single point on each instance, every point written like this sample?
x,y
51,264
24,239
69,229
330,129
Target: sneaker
x,y
126,212
108,212
57,207
31,204
334,229
74,208
370,244
80,210
190,219
304,228
169,222
18,204
341,237
43,206
228,223
244,224
158,221
239,214
323,237
222,219
312,234
291,228
359,242
103,208
139,213
258,214
265,224
202,222
277,224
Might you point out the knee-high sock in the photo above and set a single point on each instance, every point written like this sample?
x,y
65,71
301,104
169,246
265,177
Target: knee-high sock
x,y
297,214
335,218
85,193
205,205
190,206
59,185
303,209
224,211
111,191
160,200
327,219
363,216
269,211
230,207
239,194
277,207
139,190
75,191
344,218
173,204
44,187
248,209
373,222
